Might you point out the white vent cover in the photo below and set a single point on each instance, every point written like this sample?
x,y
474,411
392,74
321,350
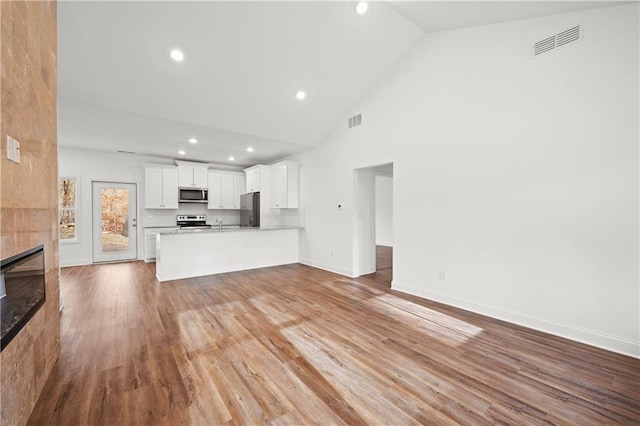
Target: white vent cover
x,y
356,120
555,41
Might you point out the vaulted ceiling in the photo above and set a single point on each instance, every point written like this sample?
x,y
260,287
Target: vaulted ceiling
x,y
245,61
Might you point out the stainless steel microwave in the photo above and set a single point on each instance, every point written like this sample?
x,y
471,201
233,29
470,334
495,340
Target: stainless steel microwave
x,y
189,195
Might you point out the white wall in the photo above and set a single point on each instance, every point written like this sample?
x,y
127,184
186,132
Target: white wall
x,y
524,173
384,210
90,166
364,224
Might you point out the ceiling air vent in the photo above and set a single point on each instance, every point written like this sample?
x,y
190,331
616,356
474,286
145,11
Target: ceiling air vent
x,y
555,41
356,120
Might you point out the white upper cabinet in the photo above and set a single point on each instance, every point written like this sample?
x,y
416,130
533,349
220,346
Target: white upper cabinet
x,y
253,179
200,177
161,187
284,185
192,175
225,189
239,188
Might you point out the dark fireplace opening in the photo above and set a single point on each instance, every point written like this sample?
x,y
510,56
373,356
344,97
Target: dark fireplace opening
x,y
21,291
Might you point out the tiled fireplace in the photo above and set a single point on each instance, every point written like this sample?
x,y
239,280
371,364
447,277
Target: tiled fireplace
x,y
22,291
28,193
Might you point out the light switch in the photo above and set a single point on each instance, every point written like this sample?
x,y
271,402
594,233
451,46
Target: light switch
x,y
16,151
13,149
10,147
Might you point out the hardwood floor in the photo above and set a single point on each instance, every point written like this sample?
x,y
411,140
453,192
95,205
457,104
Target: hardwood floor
x,y
384,273
297,345
384,269
384,257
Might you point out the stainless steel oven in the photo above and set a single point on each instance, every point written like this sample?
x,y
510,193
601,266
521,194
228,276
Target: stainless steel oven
x,y
192,222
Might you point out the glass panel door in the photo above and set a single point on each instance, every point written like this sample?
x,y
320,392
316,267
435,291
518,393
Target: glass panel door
x,y
114,222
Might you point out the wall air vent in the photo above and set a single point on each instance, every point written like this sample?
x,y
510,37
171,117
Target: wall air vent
x,y
125,152
568,36
356,120
555,41
544,45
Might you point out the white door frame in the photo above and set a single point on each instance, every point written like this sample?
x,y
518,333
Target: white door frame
x,y
114,256
364,221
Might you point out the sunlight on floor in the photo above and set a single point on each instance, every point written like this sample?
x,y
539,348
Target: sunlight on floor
x,y
425,319
344,374
271,308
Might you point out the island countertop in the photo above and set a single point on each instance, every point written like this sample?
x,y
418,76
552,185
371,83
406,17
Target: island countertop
x,y
232,228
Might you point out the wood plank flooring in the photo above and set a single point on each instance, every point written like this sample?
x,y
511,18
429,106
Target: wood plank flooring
x,y
297,345
384,257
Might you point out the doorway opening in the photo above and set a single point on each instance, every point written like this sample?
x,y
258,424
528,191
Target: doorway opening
x,y
114,222
373,230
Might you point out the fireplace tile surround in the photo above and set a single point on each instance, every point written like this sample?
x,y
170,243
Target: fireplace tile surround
x,y
28,192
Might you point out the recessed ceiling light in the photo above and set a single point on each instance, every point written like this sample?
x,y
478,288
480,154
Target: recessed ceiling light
x,y
231,158
181,152
193,140
301,95
177,55
249,149
362,7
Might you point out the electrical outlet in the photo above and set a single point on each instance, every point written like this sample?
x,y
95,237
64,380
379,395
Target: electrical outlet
x,y
442,275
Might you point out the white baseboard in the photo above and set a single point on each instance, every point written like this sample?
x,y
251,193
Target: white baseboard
x,y
568,331
75,262
384,244
326,267
84,262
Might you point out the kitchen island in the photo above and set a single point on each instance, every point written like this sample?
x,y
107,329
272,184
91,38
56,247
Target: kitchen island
x,y
193,253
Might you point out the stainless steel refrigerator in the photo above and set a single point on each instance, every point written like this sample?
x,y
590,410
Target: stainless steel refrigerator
x,y
250,209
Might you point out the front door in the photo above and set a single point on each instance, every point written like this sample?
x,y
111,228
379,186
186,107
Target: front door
x,y
114,222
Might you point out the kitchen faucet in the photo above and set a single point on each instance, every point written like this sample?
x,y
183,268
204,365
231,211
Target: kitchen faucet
x,y
219,223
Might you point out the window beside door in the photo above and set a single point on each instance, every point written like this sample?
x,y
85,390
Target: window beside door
x,y
67,208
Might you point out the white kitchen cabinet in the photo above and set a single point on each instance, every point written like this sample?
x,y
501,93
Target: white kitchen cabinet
x,y
284,185
150,242
192,175
253,179
225,189
161,187
239,188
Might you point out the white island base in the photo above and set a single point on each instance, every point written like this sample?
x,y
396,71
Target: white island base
x,y
186,255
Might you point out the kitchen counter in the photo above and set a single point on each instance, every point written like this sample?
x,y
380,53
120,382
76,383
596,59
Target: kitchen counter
x,y
150,240
233,228
190,253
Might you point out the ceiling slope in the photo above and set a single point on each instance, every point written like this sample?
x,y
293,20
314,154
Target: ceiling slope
x,y
244,62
